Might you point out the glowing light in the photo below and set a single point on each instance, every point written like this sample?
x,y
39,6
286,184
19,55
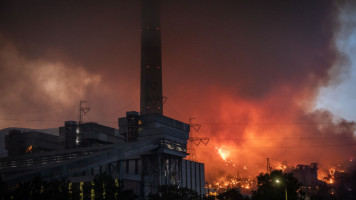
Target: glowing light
x,y
29,149
331,181
223,154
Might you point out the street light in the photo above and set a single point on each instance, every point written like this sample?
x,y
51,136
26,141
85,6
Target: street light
x,y
285,187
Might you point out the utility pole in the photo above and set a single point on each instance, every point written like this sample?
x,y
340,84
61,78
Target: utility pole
x,y
83,110
194,141
269,168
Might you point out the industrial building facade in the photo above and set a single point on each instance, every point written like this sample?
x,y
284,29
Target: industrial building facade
x,y
147,151
154,159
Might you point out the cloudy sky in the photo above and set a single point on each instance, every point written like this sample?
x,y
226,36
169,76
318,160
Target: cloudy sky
x,y
262,77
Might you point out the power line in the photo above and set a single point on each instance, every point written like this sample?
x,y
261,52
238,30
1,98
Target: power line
x,y
205,123
170,108
286,147
281,123
122,108
26,113
40,120
296,138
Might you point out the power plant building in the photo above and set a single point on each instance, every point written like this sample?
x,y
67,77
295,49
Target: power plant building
x,y
147,151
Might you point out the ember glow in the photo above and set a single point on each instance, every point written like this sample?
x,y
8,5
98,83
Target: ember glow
x,y
245,184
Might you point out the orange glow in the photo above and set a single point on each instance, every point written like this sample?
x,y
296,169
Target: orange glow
x,y
246,133
29,149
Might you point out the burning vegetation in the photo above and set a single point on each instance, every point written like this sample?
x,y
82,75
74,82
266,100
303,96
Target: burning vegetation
x,y
253,86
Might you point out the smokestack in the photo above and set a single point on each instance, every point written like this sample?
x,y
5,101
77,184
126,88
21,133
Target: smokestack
x,y
151,61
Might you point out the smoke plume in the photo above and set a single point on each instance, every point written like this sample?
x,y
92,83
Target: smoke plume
x,y
248,71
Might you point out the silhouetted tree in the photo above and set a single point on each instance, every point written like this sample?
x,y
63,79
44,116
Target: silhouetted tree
x,y
232,194
99,186
56,190
173,192
36,187
322,192
209,198
345,185
106,189
272,187
28,190
39,189
87,187
4,192
126,195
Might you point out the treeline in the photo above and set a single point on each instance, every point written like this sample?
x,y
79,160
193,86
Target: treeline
x,y
103,187
274,186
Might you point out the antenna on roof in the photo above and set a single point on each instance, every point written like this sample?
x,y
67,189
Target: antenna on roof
x,y
83,110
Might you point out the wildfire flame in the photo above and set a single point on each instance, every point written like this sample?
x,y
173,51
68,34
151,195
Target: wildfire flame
x,y
234,182
332,171
224,154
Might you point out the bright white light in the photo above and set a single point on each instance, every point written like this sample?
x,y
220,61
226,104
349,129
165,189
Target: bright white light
x,y
277,181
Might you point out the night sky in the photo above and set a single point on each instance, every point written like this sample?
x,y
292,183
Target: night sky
x,y
264,78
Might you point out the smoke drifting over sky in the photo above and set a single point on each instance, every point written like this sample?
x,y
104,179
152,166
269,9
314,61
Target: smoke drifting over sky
x,y
247,70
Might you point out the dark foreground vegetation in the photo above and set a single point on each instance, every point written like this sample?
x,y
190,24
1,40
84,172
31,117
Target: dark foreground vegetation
x,y
273,186
103,187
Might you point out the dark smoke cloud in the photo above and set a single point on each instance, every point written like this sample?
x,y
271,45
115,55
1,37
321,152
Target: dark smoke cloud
x,y
256,64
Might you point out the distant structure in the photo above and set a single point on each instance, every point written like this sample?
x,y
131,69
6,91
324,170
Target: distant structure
x,y
147,150
307,174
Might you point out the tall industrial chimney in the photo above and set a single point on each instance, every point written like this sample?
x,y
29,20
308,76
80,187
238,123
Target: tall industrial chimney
x,y
151,62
